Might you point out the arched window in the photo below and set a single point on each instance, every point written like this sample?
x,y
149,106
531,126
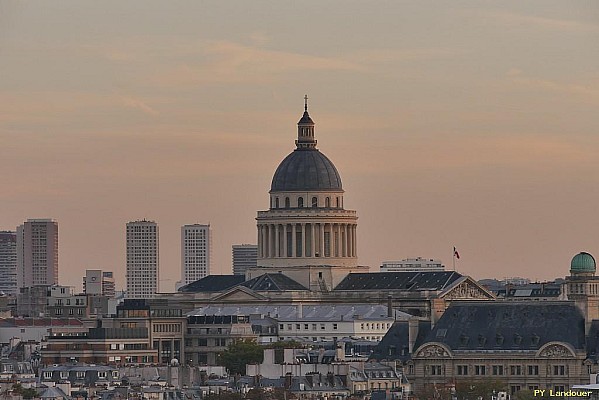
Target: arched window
x,y
314,201
300,202
287,203
337,202
277,202
327,202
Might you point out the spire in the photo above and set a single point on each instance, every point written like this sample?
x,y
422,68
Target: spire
x,y
305,130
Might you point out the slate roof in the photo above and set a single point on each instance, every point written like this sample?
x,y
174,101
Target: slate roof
x,y
508,326
593,341
213,283
306,169
273,282
395,344
409,281
316,312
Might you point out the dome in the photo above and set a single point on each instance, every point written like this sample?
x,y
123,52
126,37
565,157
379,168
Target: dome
x,y
306,170
582,262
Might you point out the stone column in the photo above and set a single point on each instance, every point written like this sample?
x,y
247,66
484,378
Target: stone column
x,y
285,241
277,242
321,240
355,239
261,239
271,241
348,239
312,240
303,240
338,241
331,240
293,240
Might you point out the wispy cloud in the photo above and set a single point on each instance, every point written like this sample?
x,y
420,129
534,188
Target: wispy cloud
x,y
514,19
589,90
138,104
229,62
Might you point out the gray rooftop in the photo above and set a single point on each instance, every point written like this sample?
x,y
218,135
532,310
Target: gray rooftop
x,y
318,312
408,281
306,170
509,326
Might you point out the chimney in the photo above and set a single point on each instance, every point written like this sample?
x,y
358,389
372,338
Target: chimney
x,y
331,379
389,306
413,325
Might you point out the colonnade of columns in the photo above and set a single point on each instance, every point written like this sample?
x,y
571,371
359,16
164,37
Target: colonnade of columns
x,y
307,240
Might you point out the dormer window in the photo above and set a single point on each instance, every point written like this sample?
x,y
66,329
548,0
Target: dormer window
x,y
300,202
314,202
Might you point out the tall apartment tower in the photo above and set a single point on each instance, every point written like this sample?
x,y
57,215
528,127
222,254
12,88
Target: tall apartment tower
x,y
8,263
98,282
37,253
142,259
244,256
196,249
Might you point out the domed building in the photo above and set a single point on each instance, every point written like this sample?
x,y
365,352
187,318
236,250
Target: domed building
x,y
583,264
583,286
307,234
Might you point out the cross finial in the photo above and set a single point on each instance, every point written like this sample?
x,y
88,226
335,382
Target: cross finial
x,y
306,103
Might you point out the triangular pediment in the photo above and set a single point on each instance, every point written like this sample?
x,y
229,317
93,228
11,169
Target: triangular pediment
x,y
238,294
466,288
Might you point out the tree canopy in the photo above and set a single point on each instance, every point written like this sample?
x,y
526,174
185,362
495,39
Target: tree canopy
x,y
239,354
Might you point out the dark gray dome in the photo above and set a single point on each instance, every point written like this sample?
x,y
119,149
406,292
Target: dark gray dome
x,y
306,170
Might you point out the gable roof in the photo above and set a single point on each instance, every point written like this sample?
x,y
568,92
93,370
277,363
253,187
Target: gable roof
x,y
273,282
408,281
213,283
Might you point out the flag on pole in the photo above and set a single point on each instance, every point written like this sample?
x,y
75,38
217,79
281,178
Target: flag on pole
x,y
455,253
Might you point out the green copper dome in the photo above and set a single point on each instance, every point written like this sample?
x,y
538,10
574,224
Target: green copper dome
x,y
583,262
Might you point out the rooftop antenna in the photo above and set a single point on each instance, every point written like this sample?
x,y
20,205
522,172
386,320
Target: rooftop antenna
x,y
306,103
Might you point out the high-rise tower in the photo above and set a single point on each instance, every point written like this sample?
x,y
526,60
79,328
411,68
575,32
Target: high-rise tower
x,y
196,249
37,253
307,233
142,259
245,256
8,262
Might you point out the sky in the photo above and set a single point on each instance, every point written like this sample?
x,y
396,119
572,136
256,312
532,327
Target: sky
x,y
472,124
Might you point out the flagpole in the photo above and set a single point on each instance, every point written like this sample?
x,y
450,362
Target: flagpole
x,y
453,255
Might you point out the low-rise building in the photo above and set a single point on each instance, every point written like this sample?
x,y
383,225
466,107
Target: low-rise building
x,y
525,345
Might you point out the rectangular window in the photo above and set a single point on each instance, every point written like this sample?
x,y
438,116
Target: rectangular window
x,y
462,370
480,370
497,369
306,326
559,370
516,370
297,326
436,370
313,327
322,327
533,370
334,326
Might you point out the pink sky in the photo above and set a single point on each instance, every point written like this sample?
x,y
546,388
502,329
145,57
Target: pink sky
x,y
471,124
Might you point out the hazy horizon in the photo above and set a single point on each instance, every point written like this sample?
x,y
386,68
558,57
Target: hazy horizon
x,y
467,124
